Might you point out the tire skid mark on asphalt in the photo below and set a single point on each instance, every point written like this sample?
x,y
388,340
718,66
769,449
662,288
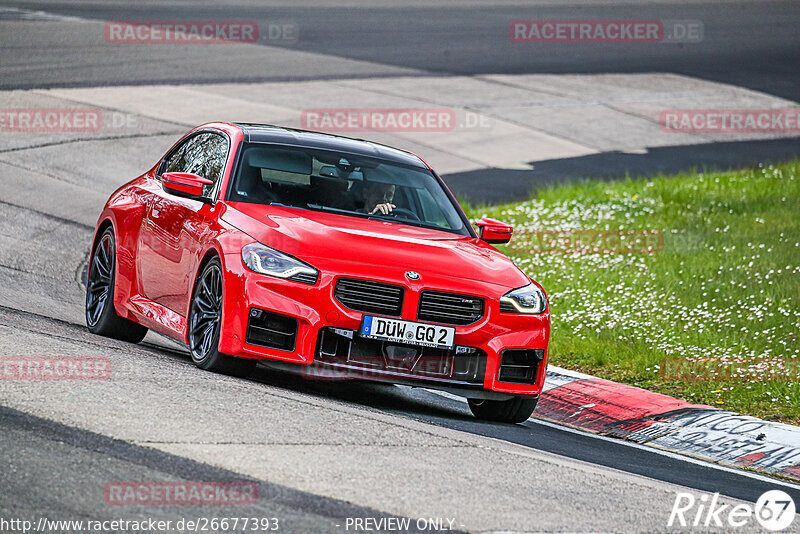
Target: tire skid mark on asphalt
x,y
82,338
49,216
270,495
15,13
89,139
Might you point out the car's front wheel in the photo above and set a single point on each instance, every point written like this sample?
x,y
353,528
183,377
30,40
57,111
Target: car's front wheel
x,y
516,410
205,322
101,317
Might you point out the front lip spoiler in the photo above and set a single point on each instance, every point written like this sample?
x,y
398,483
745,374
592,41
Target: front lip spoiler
x,y
342,372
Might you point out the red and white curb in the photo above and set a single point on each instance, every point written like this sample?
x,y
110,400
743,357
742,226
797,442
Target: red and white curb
x,y
618,410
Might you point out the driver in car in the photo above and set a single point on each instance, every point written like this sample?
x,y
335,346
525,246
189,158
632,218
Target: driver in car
x,y
378,198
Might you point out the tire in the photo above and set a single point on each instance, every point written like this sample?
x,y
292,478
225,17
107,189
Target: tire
x,y
516,410
101,317
204,324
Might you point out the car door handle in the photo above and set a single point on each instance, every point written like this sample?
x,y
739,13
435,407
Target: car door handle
x,y
156,212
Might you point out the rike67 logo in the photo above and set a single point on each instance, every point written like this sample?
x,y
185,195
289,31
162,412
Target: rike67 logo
x,y
774,510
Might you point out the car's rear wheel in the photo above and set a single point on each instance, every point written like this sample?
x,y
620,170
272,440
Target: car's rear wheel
x,y
516,410
101,317
205,322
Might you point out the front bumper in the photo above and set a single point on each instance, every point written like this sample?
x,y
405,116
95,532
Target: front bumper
x,y
311,317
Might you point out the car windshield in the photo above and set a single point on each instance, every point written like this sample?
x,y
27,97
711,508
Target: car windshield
x,y
343,183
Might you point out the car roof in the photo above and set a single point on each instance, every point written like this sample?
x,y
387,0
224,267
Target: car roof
x,y
267,133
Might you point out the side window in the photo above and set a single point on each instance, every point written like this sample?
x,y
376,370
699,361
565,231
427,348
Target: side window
x,y
203,155
175,161
430,210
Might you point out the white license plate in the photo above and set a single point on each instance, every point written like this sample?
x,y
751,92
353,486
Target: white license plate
x,y
409,332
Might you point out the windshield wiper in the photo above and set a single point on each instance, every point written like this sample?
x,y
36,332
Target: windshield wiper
x,y
320,207
373,217
410,222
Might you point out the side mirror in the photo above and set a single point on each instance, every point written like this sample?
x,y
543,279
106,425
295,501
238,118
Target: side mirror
x,y
494,231
186,185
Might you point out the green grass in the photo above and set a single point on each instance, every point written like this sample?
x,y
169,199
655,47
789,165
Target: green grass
x,y
724,290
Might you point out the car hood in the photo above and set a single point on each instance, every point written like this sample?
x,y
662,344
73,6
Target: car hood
x,y
308,234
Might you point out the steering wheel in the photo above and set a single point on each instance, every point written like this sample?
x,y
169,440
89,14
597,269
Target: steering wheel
x,y
408,214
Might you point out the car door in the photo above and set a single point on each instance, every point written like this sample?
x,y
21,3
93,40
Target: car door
x,y
174,227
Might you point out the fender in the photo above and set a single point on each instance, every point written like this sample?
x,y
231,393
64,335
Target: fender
x,y
124,210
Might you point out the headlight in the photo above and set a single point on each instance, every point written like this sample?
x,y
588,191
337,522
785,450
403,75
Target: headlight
x,y
265,260
527,299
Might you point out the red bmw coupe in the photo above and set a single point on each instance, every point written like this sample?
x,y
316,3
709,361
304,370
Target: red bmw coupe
x,y
342,257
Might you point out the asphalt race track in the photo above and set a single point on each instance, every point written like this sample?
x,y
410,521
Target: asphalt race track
x,y
320,452
750,44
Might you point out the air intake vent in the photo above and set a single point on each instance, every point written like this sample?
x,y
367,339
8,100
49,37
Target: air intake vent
x,y
369,297
449,308
273,330
520,366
